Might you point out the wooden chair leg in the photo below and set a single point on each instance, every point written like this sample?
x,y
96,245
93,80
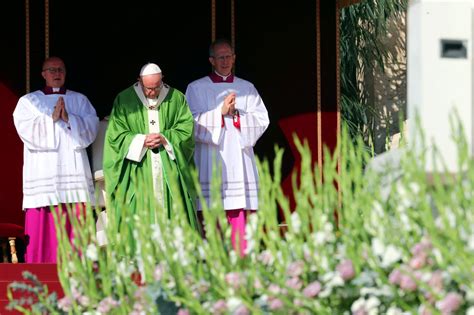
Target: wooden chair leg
x,y
12,240
4,250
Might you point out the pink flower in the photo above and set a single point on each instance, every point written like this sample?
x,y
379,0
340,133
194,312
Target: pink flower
x,y
298,302
266,257
233,279
257,284
275,289
241,310
83,300
436,281
312,289
65,304
183,311
360,311
422,247
220,307
346,270
423,310
418,261
450,304
158,274
275,304
295,269
395,276
106,305
140,293
294,283
407,283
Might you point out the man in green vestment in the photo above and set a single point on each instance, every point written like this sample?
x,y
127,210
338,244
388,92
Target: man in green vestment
x,y
148,151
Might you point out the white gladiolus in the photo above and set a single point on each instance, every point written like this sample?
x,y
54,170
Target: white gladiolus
x,y
377,247
233,303
390,256
387,254
92,253
296,222
470,242
368,306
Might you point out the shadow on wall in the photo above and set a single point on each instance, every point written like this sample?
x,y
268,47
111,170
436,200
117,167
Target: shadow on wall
x,y
386,88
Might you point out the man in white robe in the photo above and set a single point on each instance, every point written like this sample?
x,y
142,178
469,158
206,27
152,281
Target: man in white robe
x,y
56,126
230,117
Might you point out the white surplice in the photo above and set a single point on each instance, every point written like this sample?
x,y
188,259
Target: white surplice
x,y
55,162
231,148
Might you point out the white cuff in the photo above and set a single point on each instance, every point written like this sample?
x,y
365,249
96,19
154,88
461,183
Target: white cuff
x,y
136,151
169,149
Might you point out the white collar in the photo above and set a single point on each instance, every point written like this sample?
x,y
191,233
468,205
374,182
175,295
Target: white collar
x,y
145,101
224,77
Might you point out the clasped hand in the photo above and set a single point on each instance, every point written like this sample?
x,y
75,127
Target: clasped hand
x,y
229,104
154,140
60,111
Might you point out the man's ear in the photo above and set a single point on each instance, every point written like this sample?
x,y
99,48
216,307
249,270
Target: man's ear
x,y
211,60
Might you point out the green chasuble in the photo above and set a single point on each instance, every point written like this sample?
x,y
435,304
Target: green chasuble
x,y
129,184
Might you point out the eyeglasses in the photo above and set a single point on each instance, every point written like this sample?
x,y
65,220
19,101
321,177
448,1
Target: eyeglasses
x,y
153,89
55,70
222,58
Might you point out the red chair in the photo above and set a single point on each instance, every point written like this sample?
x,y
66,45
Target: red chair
x,y
9,233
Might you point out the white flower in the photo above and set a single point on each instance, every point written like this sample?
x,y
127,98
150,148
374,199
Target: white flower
x,y
372,303
387,254
395,311
377,209
451,217
253,221
323,263
233,257
438,256
295,222
233,303
358,304
330,280
367,306
414,188
73,284
266,258
251,245
324,235
405,220
71,267
124,269
319,238
365,278
274,236
377,247
181,256
178,235
470,296
202,253
470,311
391,256
385,290
92,253
470,242
156,235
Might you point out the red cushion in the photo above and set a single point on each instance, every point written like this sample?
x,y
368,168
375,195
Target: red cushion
x,y
11,230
